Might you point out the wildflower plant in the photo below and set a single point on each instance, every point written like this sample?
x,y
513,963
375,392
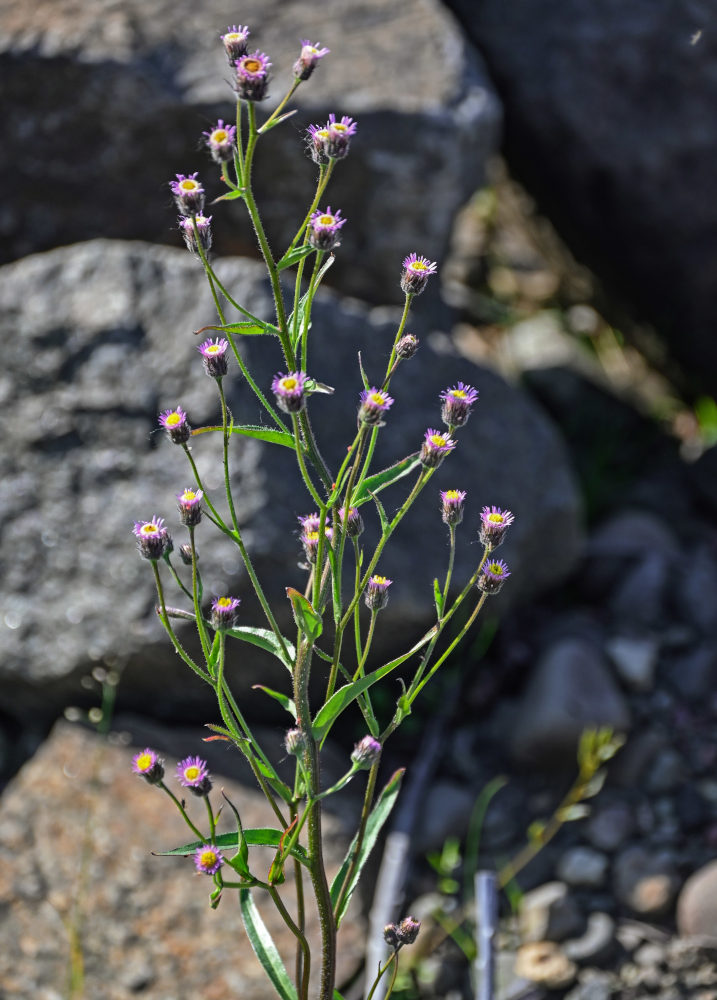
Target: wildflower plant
x,y
334,633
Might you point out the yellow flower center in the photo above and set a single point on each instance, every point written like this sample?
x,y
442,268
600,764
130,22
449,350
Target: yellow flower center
x,y
173,419
220,135
224,602
438,440
189,495
214,349
144,762
233,36
149,529
326,220
496,518
323,133
458,394
338,127
289,383
496,569
377,397
188,185
418,265
192,772
380,580
452,495
208,859
252,65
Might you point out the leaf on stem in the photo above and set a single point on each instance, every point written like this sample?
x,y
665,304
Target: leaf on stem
x,y
283,699
438,597
258,837
364,379
257,432
229,196
264,947
379,815
381,513
269,125
240,861
305,617
313,386
341,699
292,257
265,639
380,480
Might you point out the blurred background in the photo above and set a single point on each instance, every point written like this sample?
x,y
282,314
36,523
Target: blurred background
x,y
558,162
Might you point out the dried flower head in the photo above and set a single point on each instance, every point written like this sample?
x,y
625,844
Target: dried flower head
x,y
366,752
193,773
416,272
153,539
252,76
208,859
457,404
197,232
235,42
354,521
289,391
376,596
324,229
308,58
148,764
452,502
406,347
214,356
188,194
407,930
436,445
374,403
221,141
225,612
494,524
176,425
493,577
190,506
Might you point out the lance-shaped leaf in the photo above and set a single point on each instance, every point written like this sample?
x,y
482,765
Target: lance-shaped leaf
x,y
230,195
292,257
240,861
304,615
269,125
264,638
379,815
264,947
380,480
283,699
259,837
254,431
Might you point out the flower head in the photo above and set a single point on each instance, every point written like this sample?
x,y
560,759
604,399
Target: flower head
x,y
374,403
366,753
225,612
376,596
203,231
324,229
295,742
416,272
436,445
185,554
406,347
354,521
235,41
317,140
308,58
494,524
407,930
214,356
310,541
390,935
190,506
493,577
153,539
289,391
457,404
176,425
252,76
208,859
309,522
188,194
148,764
193,773
221,141
332,140
452,502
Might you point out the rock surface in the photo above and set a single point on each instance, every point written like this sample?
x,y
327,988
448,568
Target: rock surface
x,y
624,91
107,103
697,903
76,832
106,344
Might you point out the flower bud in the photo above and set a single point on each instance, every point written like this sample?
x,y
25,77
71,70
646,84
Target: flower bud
x,y
203,230
149,766
406,347
354,521
221,141
376,597
188,194
390,935
295,742
185,554
408,929
252,76
452,506
366,752
309,57
190,506
224,612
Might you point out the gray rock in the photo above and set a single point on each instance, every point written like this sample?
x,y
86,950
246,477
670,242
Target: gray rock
x,y
696,589
428,119
446,813
694,672
667,772
640,599
635,659
636,757
549,913
597,987
583,867
697,903
570,690
647,882
106,344
597,945
610,825
639,146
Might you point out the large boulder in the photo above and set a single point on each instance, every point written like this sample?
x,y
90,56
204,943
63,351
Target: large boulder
x,y
106,102
99,339
609,121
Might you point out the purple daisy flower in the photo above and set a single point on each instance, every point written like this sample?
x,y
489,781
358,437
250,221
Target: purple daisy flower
x,y
148,764
366,752
176,425
324,229
452,502
406,347
493,577
214,356
494,524
309,522
252,76
374,403
317,141
354,521
221,141
289,391
188,194
436,445
376,596
457,404
308,58
235,42
193,773
416,272
153,539
203,230
208,859
310,541
224,612
340,133
190,506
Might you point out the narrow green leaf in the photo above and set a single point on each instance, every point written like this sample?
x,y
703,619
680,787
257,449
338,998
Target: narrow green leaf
x,y
265,639
301,315
337,995
259,837
312,386
247,329
273,779
269,125
438,597
294,256
341,699
579,810
240,861
214,654
264,947
257,432
283,699
381,513
379,815
380,480
364,379
305,617
230,195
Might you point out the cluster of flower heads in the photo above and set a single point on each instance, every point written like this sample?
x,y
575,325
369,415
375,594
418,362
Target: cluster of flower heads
x,y
310,528
494,523
396,935
332,140
252,68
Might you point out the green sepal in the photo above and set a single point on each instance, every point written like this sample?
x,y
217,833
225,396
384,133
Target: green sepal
x,y
292,257
264,947
380,480
283,699
259,837
305,617
254,431
265,639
